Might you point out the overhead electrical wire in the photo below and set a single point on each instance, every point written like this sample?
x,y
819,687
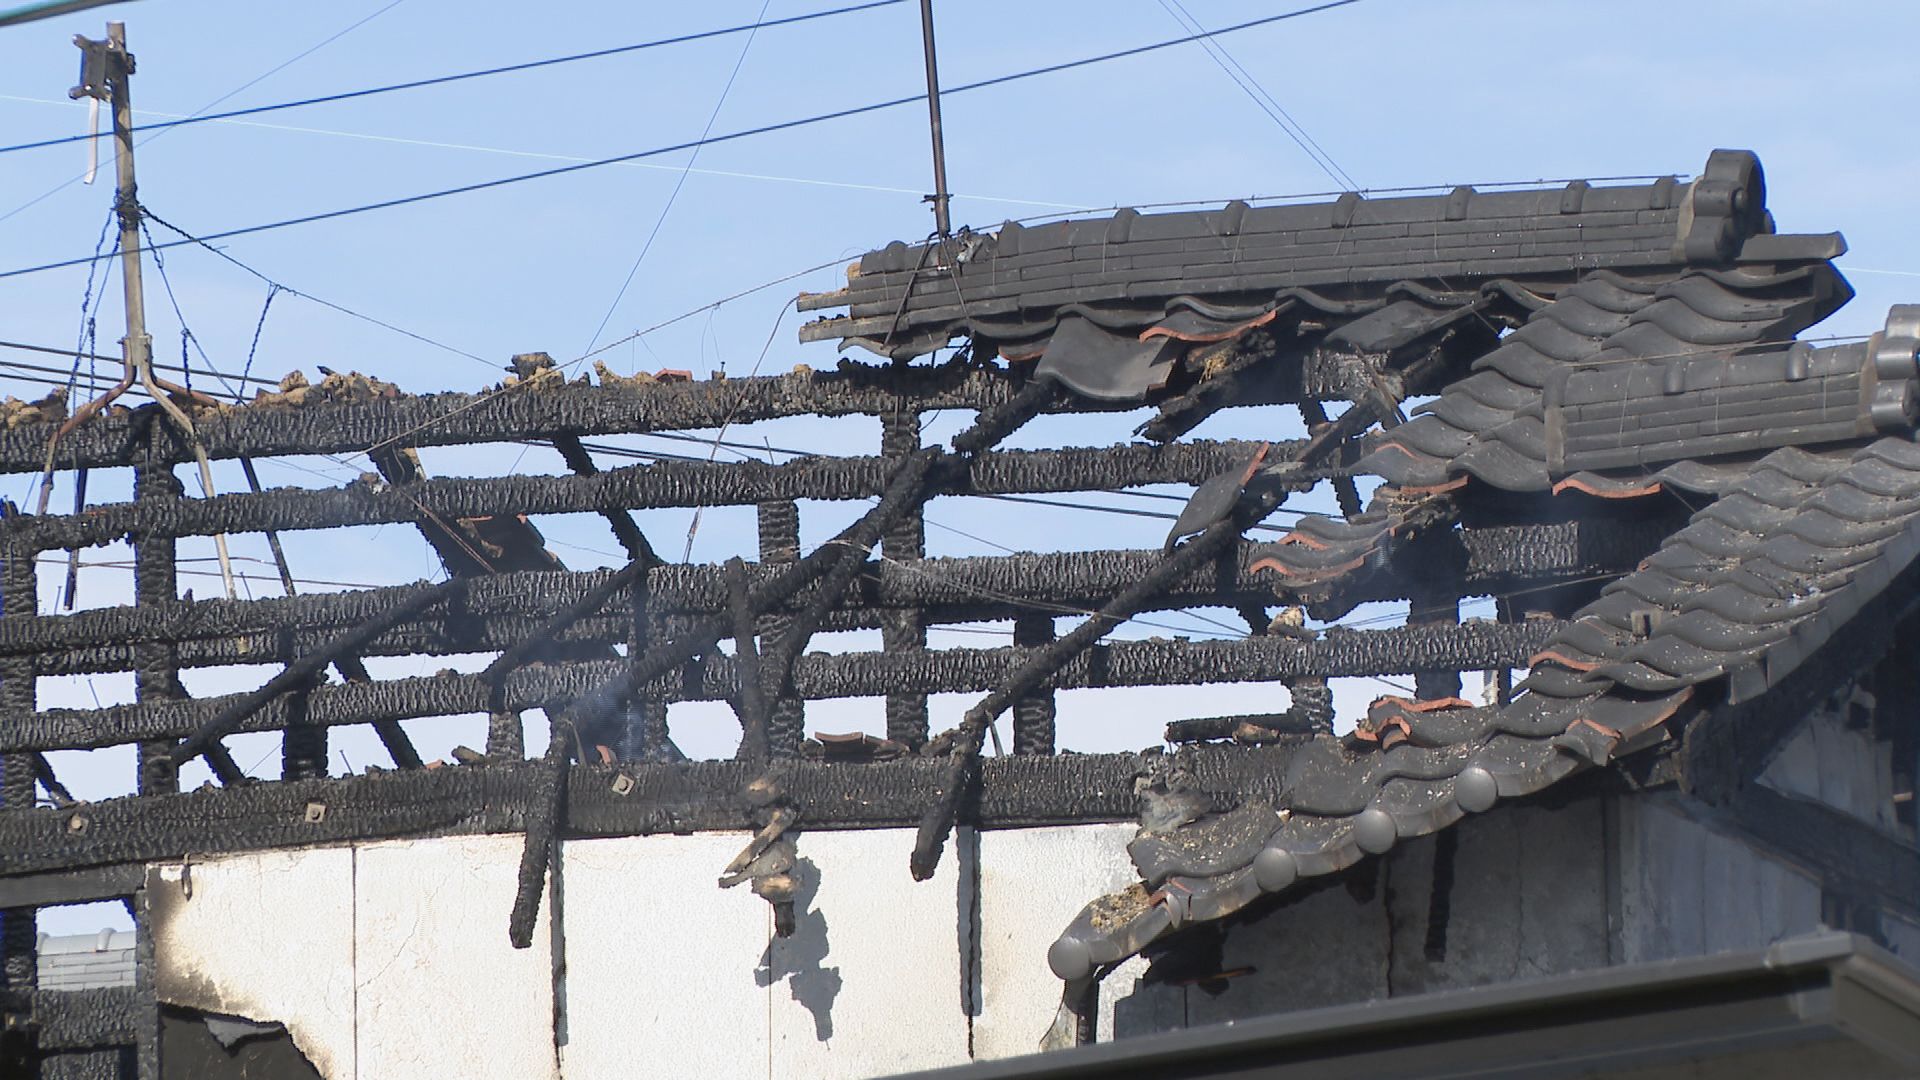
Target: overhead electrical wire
x,y
503,151
187,238
1261,97
678,183
416,84
269,73
764,129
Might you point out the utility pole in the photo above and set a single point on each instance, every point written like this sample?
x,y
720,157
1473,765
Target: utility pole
x,y
106,68
137,346
939,198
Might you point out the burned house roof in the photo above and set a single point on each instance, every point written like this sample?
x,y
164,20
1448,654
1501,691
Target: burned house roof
x,y
1687,510
1654,351
1202,273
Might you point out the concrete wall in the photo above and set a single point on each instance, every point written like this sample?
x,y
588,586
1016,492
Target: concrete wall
x,y
1686,889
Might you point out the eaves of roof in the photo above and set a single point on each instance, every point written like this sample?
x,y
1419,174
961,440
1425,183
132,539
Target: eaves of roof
x,y
1822,1005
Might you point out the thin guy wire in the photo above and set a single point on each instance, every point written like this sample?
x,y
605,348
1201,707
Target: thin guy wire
x,y
86,339
186,334
259,325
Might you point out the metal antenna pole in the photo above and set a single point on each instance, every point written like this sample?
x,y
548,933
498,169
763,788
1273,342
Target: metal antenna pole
x,y
138,344
939,198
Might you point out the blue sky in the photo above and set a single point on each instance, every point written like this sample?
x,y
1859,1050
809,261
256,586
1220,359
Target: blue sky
x,y
1397,92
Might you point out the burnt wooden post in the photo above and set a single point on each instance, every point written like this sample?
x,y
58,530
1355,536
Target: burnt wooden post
x,y
646,732
780,543
18,962
1434,598
156,675
904,629
1033,714
1312,703
303,746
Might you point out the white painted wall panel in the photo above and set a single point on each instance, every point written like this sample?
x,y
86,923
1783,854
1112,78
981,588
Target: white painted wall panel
x,y
268,937
1032,883
870,982
665,971
441,992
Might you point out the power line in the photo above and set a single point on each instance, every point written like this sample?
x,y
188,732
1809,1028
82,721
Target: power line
x,y
764,129
189,238
415,84
276,69
678,183
1261,97
436,144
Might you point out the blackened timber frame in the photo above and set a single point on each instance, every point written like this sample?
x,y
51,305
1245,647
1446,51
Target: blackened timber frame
x,y
1016,791
888,584
1500,559
1160,662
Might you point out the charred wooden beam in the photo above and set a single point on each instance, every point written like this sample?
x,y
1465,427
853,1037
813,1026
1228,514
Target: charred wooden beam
x,y
778,528
155,583
714,677
18,939
625,530
546,804
1033,714
751,702
1014,792
1250,506
108,882
528,412
665,483
1851,858
904,629
1505,559
85,1019
298,674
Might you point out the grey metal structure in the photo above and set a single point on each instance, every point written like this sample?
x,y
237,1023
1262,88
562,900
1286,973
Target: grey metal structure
x,y
1823,1005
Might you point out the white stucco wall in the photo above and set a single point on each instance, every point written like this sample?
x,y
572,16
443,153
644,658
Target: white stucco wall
x,y
266,936
391,959
383,960
1032,883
